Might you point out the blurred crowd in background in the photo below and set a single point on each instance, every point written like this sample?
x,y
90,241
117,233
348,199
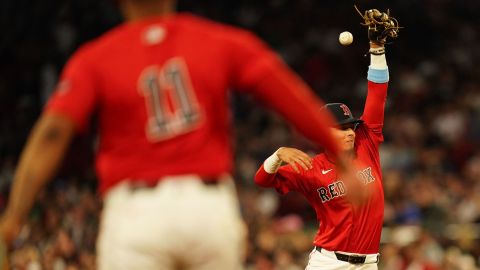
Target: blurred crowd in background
x,y
430,158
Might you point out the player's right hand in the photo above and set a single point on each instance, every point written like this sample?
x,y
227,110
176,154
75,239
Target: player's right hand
x,y
295,158
9,229
3,255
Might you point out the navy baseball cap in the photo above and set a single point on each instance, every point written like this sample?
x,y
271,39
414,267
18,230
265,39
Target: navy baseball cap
x,y
342,114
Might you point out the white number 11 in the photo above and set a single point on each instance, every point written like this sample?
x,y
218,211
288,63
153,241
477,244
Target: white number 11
x,y
172,105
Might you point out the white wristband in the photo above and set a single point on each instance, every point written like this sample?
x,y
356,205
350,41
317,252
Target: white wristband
x,y
378,61
272,163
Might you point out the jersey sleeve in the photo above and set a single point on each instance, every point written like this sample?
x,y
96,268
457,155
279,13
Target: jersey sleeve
x,y
284,180
258,70
75,95
373,114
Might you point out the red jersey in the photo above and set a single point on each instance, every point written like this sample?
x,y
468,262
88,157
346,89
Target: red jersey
x,y
159,87
343,226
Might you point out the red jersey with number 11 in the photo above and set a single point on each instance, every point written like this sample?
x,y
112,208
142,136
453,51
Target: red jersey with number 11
x,y
160,88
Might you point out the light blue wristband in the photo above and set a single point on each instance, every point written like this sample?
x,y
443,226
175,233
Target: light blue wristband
x,y
378,75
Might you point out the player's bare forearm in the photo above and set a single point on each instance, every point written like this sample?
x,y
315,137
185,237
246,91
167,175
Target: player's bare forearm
x,y
38,163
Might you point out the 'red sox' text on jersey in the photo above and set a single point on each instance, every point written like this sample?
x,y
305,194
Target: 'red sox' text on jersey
x,y
343,226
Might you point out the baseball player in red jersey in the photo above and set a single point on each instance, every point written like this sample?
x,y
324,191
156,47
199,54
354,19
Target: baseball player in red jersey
x,y
159,85
349,232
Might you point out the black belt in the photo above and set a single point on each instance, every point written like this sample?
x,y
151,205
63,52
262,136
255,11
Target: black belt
x,y
210,181
353,259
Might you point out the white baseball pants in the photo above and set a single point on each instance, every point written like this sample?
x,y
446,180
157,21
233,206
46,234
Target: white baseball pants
x,y
326,260
181,223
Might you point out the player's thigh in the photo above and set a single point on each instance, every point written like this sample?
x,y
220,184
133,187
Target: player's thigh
x,y
130,235
126,259
367,266
181,222
222,240
221,260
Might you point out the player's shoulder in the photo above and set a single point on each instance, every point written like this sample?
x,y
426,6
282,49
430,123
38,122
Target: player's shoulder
x,y
95,48
217,30
205,24
362,127
365,130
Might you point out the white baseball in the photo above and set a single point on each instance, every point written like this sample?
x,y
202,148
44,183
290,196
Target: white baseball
x,y
345,38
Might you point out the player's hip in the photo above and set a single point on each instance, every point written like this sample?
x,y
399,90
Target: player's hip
x,y
167,219
323,259
180,189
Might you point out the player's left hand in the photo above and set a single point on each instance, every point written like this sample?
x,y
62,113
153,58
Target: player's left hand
x,y
295,158
380,25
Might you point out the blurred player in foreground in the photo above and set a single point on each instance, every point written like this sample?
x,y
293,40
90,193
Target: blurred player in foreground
x,y
350,213
159,85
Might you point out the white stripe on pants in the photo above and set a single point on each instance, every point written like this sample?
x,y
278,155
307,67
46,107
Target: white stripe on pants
x,y
179,223
326,260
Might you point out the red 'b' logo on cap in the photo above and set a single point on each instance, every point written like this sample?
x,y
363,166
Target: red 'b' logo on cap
x,y
346,110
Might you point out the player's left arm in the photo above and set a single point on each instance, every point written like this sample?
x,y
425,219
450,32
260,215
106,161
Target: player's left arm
x,y
40,159
259,70
284,178
378,78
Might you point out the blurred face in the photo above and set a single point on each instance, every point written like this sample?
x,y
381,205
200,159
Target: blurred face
x,y
345,134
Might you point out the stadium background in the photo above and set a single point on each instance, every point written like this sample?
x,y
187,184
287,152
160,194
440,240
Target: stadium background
x,y
431,154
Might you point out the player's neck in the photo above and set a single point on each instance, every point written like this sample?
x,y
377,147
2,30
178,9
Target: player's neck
x,y
138,10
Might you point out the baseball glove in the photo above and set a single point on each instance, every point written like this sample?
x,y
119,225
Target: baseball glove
x,y
380,25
